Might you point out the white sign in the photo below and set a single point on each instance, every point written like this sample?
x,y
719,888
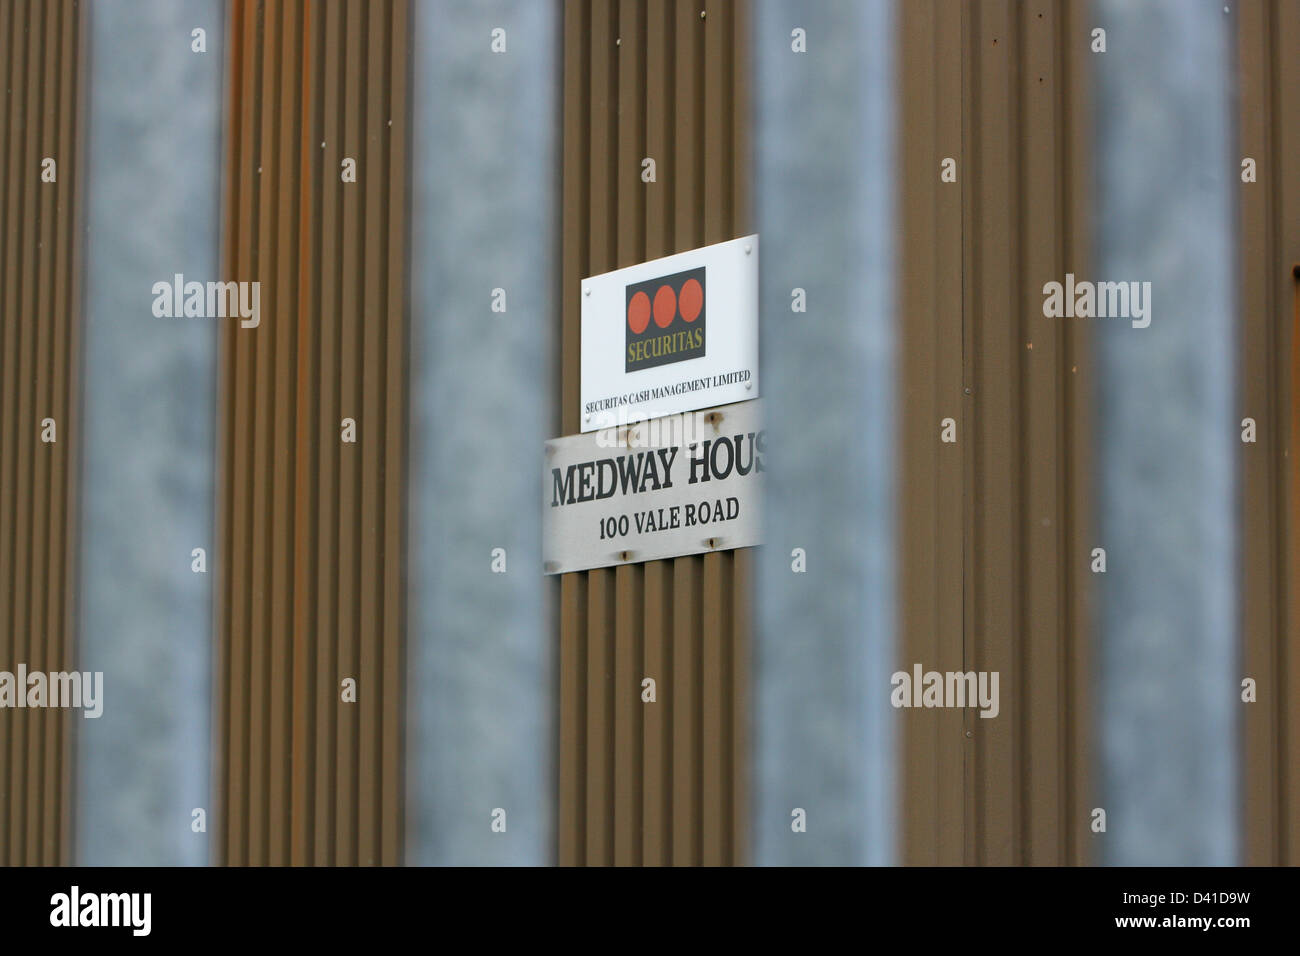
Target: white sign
x,y
670,335
685,484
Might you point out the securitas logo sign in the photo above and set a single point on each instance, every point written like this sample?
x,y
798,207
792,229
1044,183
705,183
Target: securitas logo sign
x,y
675,357
665,320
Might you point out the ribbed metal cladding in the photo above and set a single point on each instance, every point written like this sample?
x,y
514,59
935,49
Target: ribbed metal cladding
x,y
311,528
993,527
665,782
42,46
1269,116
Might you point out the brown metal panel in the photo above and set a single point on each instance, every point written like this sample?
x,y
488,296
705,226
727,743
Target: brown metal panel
x,y
993,366
1077,498
684,698
1269,133
688,211
396,135
628,707
600,713
348,567
918,449
571,797
306,450
65,408
1040,351
741,627
12,18
657,751
951,399
1291,699
716,197
42,115
932,383
657,755
375,178
263,408
715,711
331,413
629,617
283,550
233,458
650,782
993,525
42,544
25,638
312,527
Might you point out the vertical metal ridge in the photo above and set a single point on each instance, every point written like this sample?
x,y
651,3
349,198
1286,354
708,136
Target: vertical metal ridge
x,y
224,442
627,717
740,777
1044,827
331,518
685,697
24,636
352,349
571,796
266,254
285,554
40,638
369,677
656,776
600,740
232,619
62,556
949,584
918,451
1286,79
1077,137
393,790
306,451
715,710
630,241
76,51
571,685
10,31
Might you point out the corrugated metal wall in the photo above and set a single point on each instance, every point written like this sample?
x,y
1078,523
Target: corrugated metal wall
x,y
1269,98
41,58
663,782
311,528
995,552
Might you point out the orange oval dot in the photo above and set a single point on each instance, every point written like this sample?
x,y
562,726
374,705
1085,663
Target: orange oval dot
x,y
665,306
691,300
638,313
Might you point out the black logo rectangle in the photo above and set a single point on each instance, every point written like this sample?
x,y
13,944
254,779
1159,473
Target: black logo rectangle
x,y
665,320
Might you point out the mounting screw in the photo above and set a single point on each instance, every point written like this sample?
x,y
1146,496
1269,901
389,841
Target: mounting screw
x,y
748,248
587,291
748,386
